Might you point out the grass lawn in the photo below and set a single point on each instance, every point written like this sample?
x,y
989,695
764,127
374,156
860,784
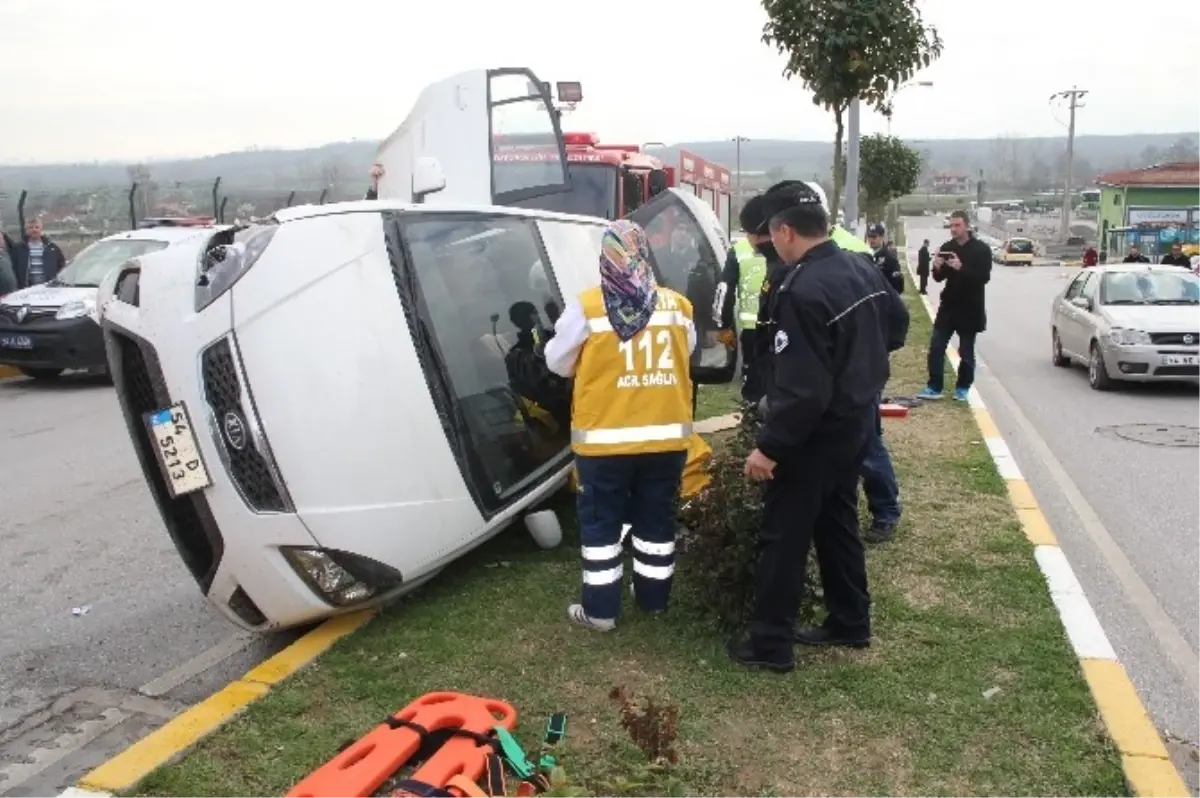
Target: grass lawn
x,y
970,687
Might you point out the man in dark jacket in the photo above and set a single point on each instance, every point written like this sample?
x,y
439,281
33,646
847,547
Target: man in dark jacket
x,y
36,259
1176,257
8,278
834,320
923,266
964,263
885,260
1135,256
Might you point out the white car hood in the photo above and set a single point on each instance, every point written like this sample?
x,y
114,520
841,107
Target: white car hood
x,y
1156,318
48,296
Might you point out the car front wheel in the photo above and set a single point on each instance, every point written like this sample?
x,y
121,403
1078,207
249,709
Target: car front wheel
x,y
1097,372
1056,354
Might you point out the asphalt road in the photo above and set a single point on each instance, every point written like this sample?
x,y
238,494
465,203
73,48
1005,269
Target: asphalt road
x,y
103,632
1126,514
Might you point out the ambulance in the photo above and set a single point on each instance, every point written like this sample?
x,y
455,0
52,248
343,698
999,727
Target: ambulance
x,y
333,405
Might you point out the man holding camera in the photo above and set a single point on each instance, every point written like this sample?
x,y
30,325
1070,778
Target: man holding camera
x,y
964,264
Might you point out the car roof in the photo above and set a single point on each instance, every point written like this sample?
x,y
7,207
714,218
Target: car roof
x,y
1119,268
171,235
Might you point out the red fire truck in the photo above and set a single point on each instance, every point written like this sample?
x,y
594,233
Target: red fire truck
x,y
613,180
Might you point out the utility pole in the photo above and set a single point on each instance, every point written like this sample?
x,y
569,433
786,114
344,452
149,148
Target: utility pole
x,y
850,204
1072,96
738,178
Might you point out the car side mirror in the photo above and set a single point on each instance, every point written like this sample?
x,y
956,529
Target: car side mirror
x,y
427,177
1081,302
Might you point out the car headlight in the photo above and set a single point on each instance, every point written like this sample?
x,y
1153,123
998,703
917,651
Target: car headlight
x,y
1123,336
76,308
224,265
339,577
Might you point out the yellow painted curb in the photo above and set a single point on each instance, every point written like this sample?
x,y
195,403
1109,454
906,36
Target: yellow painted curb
x,y
126,769
1145,762
1122,709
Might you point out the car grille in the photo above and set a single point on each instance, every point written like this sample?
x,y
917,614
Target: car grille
x,y
1175,339
252,472
13,313
141,389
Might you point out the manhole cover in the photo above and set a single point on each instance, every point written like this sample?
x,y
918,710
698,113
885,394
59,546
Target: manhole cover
x,y
1155,434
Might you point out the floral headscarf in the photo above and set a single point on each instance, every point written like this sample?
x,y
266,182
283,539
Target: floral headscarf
x,y
626,279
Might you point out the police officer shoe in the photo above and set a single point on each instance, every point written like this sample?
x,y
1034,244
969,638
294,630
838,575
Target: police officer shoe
x,y
824,636
880,532
753,655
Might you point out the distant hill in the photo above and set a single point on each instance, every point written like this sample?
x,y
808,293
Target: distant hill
x,y
1005,161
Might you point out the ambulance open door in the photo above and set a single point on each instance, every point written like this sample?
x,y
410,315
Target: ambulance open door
x,y
687,251
461,140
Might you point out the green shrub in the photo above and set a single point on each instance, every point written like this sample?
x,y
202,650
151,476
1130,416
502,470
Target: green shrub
x,y
718,552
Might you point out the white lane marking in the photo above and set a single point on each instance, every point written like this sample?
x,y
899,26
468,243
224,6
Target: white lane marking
x,y
76,792
81,733
1006,464
161,685
1171,642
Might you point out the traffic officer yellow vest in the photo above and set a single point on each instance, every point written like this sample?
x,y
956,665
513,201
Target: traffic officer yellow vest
x,y
752,270
635,396
848,241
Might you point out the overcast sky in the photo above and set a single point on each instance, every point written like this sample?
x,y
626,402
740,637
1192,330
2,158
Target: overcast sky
x,y
131,79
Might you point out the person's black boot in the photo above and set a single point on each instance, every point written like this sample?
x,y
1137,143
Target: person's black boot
x,y
880,532
754,655
824,636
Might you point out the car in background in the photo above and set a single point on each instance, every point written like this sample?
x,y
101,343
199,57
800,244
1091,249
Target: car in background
x,y
1135,322
1016,251
50,328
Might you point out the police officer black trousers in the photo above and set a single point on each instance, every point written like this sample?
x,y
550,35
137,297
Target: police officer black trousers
x,y
813,500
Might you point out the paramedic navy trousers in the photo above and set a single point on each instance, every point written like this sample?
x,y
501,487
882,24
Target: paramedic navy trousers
x,y
813,500
640,489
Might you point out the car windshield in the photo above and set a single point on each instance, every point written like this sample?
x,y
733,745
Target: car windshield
x,y
1020,246
1150,288
593,193
88,268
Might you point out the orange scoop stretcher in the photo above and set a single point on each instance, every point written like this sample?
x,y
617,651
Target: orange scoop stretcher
x,y
452,739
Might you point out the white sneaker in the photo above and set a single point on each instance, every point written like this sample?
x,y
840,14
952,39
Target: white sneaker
x,y
575,613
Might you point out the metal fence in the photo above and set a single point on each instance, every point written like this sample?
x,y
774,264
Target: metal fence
x,y
88,213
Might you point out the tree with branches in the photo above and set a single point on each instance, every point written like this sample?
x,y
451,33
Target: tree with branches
x,y
890,169
842,50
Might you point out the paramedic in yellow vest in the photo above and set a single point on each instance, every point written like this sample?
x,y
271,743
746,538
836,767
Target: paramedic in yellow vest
x,y
628,344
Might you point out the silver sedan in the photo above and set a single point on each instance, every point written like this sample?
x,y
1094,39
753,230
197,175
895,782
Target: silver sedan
x,y
1129,321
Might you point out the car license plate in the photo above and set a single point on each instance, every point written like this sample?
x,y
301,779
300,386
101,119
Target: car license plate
x,y
174,442
16,342
1181,360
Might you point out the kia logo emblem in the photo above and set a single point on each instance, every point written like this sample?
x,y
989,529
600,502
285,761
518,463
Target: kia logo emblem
x,y
235,430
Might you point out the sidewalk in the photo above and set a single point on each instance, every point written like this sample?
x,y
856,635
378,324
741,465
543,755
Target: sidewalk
x,y
970,686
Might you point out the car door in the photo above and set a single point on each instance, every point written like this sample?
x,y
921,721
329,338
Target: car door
x,y
1088,318
481,137
687,252
1066,315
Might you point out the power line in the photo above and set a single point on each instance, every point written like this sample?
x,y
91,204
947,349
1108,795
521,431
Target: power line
x,y
1072,95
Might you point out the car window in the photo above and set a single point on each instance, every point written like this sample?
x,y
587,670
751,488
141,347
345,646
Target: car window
x,y
1149,288
90,266
1076,285
486,302
1089,287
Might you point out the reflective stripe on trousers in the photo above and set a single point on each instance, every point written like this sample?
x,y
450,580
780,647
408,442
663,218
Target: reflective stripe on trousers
x,y
653,432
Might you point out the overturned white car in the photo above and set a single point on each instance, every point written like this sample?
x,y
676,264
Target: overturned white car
x,y
331,406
